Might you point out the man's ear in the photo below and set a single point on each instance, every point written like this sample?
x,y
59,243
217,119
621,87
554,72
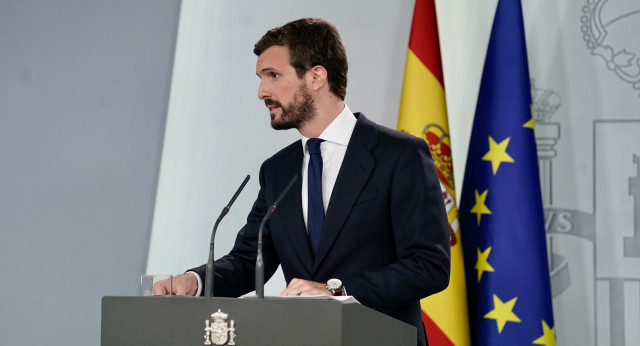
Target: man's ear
x,y
318,75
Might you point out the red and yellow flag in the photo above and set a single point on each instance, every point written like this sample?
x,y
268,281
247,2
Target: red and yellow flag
x,y
423,113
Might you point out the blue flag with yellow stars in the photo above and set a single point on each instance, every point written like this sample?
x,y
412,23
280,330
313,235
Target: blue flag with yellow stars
x,y
504,242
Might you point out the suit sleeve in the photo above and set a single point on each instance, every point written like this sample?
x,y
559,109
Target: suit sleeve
x,y
420,230
235,272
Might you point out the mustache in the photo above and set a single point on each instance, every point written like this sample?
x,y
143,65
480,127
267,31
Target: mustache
x,y
269,102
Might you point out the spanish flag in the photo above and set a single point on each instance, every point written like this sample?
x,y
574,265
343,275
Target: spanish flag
x,y
423,113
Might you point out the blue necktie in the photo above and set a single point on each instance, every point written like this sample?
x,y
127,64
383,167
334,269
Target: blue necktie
x,y
315,211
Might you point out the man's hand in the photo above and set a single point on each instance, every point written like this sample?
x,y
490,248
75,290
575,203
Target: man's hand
x,y
299,287
183,285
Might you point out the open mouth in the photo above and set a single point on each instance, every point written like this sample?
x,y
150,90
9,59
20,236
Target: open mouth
x,y
272,105
272,108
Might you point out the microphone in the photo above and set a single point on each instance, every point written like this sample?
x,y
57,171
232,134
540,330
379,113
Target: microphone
x,y
208,286
259,261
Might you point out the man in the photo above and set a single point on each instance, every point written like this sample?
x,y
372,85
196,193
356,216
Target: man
x,y
375,220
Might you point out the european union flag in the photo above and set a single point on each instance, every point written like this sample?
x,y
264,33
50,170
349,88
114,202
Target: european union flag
x,y
501,212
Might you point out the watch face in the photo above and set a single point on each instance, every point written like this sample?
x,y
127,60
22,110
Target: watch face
x,y
334,284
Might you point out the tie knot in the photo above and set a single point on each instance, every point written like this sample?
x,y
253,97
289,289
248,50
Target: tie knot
x,y
313,145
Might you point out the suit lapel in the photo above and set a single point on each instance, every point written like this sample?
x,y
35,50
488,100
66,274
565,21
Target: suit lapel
x,y
291,212
356,168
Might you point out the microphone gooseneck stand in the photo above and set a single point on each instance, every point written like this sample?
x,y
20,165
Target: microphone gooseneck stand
x,y
259,260
210,273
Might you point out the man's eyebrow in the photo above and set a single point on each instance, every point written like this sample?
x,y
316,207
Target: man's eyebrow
x,y
267,69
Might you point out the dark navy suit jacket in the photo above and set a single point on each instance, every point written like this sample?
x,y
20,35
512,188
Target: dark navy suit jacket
x,y
385,233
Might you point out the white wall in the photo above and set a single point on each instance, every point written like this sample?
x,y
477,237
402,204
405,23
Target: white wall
x,y
83,100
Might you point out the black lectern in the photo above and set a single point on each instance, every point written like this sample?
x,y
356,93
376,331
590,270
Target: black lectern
x,y
247,322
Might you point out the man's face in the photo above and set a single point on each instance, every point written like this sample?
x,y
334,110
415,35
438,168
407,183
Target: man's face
x,y
288,97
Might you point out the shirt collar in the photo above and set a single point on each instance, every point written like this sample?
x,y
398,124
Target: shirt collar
x,y
339,131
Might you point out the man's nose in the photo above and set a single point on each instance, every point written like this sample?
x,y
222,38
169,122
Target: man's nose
x,y
263,91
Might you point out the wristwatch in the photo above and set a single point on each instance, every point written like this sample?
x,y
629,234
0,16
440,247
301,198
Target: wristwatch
x,y
335,286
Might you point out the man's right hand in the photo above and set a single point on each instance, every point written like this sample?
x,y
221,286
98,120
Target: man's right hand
x,y
183,285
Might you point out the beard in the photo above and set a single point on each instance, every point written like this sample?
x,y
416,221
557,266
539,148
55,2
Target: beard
x,y
301,110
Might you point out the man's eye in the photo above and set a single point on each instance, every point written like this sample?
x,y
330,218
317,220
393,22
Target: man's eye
x,y
274,75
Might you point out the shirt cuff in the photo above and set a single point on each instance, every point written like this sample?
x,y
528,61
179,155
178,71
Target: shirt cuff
x,y
199,283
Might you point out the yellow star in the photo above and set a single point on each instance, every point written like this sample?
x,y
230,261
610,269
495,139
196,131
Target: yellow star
x,y
497,153
502,312
482,265
480,208
548,337
531,123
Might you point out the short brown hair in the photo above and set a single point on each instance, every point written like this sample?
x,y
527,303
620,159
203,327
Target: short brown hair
x,y
311,42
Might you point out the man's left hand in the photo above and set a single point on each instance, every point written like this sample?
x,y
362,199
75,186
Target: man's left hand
x,y
299,287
